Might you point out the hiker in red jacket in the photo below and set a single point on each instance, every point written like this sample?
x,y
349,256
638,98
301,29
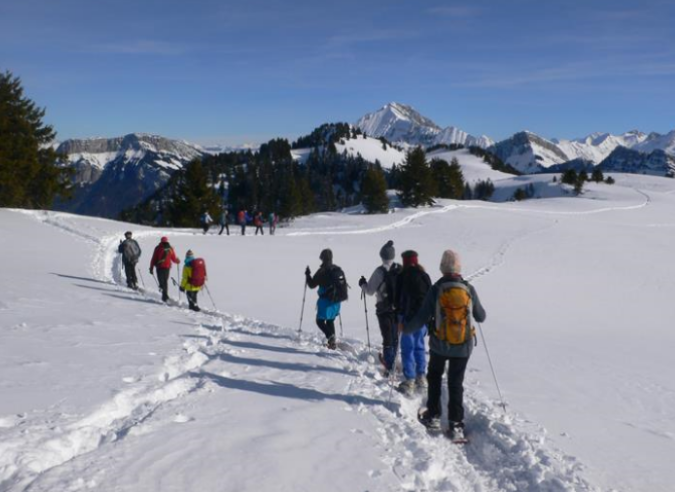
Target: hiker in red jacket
x,y
162,258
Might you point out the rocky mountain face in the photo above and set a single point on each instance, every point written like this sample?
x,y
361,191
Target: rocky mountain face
x,y
402,124
116,173
623,160
529,153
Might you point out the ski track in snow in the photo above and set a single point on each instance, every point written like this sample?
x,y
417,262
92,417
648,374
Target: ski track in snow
x,y
453,207
503,454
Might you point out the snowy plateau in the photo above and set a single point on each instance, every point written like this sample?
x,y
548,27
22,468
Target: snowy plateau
x,y
107,389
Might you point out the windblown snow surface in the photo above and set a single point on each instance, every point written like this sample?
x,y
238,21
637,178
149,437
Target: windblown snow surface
x,y
106,389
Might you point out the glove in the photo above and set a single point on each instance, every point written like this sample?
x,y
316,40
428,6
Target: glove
x,y
151,273
362,281
181,289
308,271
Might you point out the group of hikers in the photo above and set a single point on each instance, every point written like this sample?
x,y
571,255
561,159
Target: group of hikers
x,y
163,258
242,219
409,307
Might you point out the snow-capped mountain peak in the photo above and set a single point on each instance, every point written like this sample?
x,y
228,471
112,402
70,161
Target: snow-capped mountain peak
x,y
402,124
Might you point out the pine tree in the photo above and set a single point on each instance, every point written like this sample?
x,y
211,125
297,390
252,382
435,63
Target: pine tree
x,y
29,172
448,178
192,196
597,175
374,191
416,180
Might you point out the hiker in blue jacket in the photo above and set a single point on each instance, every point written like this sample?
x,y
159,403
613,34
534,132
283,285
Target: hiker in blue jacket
x,y
326,309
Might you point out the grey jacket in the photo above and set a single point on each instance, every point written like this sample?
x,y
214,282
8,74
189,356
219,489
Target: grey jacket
x,y
428,310
376,285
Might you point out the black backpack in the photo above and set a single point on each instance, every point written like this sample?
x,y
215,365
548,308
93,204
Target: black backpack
x,y
389,283
336,291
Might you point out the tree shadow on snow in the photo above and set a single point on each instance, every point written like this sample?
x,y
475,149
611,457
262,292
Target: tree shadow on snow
x,y
270,348
283,366
284,390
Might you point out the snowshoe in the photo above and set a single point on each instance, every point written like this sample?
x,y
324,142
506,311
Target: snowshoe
x,y
456,433
407,387
432,423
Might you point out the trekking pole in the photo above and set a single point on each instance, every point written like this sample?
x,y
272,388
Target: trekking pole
x,y
156,281
302,310
140,273
178,275
365,307
499,391
342,333
392,372
210,296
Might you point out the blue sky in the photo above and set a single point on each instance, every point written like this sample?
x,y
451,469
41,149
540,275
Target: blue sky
x,y
246,71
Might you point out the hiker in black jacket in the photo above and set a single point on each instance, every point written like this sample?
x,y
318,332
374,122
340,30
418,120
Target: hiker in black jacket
x,y
326,309
450,343
412,285
131,252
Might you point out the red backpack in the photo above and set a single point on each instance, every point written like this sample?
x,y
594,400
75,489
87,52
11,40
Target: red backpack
x,y
198,276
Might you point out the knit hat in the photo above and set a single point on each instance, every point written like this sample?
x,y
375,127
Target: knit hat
x,y
189,253
127,234
450,262
326,256
409,258
387,252
164,239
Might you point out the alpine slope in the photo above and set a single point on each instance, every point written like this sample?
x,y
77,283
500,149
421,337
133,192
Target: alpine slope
x,y
108,389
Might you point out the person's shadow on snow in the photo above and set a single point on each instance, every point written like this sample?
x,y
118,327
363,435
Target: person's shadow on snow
x,y
284,390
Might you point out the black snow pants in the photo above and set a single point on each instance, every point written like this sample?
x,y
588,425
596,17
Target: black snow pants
x,y
163,279
389,330
130,272
327,326
192,299
456,370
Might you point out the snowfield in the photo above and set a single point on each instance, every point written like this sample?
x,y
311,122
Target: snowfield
x,y
106,389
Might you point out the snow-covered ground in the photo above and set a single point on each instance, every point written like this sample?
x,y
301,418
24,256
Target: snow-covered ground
x,y
104,389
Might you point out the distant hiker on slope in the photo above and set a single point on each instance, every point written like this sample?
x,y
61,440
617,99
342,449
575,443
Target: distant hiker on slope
x,y
131,252
382,283
162,258
452,301
332,291
258,223
273,219
194,277
224,222
412,285
243,218
206,221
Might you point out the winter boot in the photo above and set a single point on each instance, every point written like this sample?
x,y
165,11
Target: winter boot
x,y
431,422
407,387
331,344
421,382
456,432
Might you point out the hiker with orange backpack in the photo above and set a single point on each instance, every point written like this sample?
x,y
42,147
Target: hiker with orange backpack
x,y
453,302
194,278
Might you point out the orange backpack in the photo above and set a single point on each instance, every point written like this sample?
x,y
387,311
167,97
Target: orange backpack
x,y
453,313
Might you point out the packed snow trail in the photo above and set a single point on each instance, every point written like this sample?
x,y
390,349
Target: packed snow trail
x,y
232,353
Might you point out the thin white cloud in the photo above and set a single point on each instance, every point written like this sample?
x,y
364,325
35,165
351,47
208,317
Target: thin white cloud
x,y
140,47
455,11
